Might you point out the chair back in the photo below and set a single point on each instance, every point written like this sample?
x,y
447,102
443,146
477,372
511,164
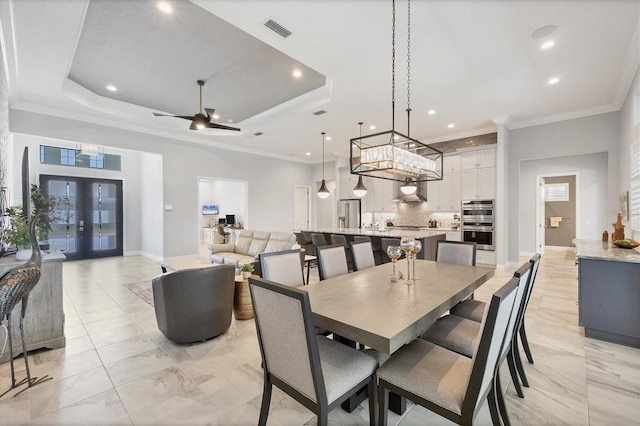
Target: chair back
x,y
362,255
332,261
339,239
283,267
487,351
300,239
286,337
459,252
535,262
318,240
523,274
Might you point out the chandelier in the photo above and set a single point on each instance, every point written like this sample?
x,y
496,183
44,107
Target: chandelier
x,y
391,154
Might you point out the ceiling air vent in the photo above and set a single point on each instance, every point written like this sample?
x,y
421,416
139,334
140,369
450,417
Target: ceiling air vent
x,y
258,134
277,28
319,112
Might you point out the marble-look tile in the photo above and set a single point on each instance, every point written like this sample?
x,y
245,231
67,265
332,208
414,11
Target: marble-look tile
x,y
102,409
108,324
59,365
101,314
75,331
78,344
115,335
140,365
192,408
15,410
125,349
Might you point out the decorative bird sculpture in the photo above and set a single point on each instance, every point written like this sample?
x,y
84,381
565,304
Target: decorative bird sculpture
x,y
15,286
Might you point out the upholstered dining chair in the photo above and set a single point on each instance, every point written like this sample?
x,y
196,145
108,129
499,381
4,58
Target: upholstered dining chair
x,y
474,310
332,261
192,305
459,252
460,335
317,372
385,243
341,239
445,382
362,255
375,245
284,267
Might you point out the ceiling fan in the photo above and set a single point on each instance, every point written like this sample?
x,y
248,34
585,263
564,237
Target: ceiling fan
x,y
200,120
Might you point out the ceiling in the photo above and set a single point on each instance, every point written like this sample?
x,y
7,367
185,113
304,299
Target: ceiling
x,y
474,62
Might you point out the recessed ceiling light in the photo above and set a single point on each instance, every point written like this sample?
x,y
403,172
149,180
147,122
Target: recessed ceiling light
x,y
165,7
431,112
229,120
297,73
372,127
215,116
328,138
547,44
451,125
554,80
308,153
111,88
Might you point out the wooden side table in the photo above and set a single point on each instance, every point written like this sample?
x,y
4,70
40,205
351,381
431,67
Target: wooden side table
x,y
242,307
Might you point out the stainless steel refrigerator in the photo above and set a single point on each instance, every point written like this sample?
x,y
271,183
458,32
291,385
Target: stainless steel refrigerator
x,y
349,213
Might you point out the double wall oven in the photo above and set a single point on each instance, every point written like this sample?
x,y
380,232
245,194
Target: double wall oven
x,y
478,223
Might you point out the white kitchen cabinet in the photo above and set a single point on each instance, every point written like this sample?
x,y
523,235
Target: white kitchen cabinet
x,y
347,182
444,195
478,174
383,195
451,164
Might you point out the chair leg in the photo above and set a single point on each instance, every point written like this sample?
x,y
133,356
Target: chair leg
x,y
266,401
525,343
500,399
371,388
514,374
383,404
493,409
516,356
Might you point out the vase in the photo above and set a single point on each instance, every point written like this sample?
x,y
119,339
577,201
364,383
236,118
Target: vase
x,y
23,254
246,274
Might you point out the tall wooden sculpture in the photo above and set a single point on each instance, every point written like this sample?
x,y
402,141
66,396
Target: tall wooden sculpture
x,y
15,286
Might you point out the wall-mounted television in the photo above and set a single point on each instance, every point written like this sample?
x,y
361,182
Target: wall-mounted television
x,y
210,209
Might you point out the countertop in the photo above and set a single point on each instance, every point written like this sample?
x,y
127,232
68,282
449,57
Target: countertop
x,y
604,250
390,232
46,257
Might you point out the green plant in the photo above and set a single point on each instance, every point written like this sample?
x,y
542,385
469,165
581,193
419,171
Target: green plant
x,y
247,267
17,233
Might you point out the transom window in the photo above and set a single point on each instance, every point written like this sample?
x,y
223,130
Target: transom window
x,y
76,158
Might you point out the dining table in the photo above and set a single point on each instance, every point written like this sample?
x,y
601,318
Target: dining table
x,y
369,308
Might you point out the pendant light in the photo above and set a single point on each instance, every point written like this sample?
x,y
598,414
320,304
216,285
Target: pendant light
x,y
409,187
323,192
360,190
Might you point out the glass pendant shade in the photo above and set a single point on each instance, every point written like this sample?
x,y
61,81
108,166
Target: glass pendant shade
x,y
409,187
360,190
323,192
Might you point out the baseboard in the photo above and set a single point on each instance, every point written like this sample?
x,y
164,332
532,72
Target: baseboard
x,y
559,248
526,254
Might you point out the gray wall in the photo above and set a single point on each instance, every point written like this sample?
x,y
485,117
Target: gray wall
x,y
565,232
271,181
560,148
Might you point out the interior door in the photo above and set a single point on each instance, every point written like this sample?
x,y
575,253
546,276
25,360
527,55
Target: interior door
x,y
92,225
540,217
302,207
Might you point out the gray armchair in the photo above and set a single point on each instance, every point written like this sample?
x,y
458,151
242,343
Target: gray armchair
x,y
194,304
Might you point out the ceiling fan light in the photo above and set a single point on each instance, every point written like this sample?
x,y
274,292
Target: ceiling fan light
x,y
323,192
409,187
360,190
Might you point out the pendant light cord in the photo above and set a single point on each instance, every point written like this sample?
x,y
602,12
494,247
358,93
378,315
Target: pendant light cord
x,y
393,66
323,155
408,67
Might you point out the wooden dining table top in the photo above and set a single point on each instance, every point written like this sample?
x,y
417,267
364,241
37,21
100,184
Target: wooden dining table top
x,y
367,307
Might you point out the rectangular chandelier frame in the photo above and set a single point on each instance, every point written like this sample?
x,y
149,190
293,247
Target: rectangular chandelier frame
x,y
394,156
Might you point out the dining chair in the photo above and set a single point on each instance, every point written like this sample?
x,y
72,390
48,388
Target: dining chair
x,y
318,240
362,255
459,252
460,335
332,261
474,310
341,239
385,243
284,267
375,245
445,382
317,372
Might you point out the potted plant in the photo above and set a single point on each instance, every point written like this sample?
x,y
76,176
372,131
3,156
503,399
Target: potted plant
x,y
17,233
246,270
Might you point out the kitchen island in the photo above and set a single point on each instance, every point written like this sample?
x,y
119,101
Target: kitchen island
x,y
429,239
609,291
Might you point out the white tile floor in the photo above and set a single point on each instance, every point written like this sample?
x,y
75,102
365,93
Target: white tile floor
x,y
117,368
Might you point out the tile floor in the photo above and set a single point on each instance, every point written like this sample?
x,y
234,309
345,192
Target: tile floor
x,y
117,368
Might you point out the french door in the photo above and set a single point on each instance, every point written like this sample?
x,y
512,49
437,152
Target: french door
x,y
92,225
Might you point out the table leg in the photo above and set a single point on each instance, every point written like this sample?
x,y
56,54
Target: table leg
x,y
308,267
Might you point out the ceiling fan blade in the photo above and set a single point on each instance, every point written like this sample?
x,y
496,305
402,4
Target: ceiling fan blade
x,y
210,111
185,117
221,126
193,126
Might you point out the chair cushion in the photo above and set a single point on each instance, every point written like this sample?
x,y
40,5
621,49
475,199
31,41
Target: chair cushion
x,y
430,372
279,241
454,333
342,367
259,242
470,309
243,241
231,258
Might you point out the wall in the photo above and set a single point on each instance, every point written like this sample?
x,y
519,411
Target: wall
x,y
558,143
4,120
563,234
151,204
271,182
629,134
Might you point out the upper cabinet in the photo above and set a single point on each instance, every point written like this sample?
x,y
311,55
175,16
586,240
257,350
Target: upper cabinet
x,y
379,191
444,195
478,174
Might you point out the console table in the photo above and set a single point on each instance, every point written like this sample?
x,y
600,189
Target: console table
x,y
44,321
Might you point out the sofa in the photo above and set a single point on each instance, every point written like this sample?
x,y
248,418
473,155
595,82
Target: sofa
x,y
248,245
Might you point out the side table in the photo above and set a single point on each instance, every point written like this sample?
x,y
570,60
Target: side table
x,y
242,307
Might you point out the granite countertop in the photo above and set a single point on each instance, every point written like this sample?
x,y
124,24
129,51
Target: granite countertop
x,y
604,250
389,232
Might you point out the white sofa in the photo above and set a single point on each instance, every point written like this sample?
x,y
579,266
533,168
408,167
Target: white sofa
x,y
248,245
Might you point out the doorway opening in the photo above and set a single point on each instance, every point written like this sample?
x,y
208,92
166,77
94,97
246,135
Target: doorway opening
x,y
556,212
229,199
302,208
92,224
